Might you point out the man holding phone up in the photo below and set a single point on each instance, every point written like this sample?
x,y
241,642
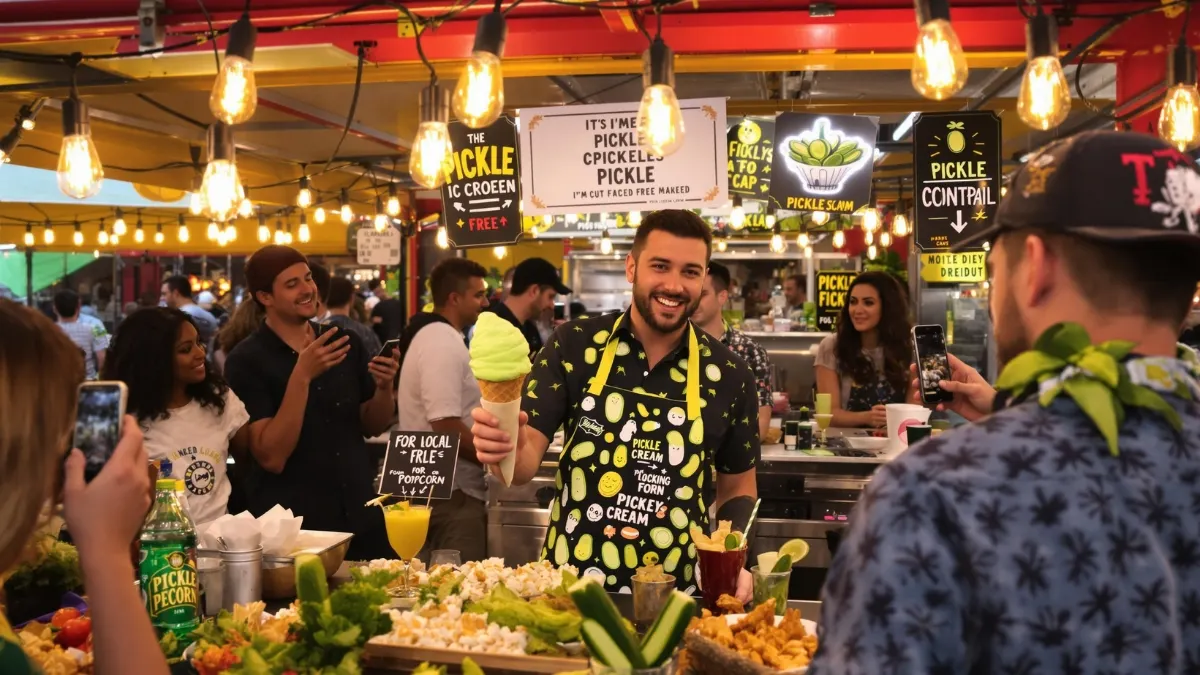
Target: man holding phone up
x,y
313,392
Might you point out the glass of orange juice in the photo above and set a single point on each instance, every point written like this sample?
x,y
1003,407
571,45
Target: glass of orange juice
x,y
407,527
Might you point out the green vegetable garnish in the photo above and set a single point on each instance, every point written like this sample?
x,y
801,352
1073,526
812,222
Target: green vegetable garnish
x,y
733,541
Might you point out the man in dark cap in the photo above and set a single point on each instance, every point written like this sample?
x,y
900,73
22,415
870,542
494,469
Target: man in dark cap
x,y
535,285
1059,532
313,392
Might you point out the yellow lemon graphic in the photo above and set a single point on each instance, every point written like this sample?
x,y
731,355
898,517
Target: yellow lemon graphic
x,y
749,132
610,484
955,140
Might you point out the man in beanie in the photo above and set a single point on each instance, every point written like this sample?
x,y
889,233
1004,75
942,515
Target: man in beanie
x,y
313,392
1059,532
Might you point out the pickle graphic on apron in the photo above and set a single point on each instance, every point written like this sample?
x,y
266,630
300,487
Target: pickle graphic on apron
x,y
632,473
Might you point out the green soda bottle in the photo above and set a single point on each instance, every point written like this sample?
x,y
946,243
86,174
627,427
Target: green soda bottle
x,y
167,567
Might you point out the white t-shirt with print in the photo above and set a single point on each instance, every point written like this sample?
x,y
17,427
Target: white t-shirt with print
x,y
194,439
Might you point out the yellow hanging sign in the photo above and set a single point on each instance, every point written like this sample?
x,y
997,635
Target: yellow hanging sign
x,y
969,267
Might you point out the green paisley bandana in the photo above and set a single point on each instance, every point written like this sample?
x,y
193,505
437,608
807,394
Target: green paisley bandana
x,y
1100,379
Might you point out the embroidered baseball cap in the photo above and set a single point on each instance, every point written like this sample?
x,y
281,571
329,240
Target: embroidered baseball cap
x,y
1104,185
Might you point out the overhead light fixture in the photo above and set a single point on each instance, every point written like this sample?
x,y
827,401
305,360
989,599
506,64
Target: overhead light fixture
x,y
221,192
48,233
195,202
1044,100
77,237
29,238
80,173
868,237
819,217
319,215
184,235
234,96
939,68
802,239
246,208
1179,119
345,209
288,237
722,244
9,143
264,233
431,148
839,239
904,127
606,243
158,234
737,216
304,198
872,252
139,235
479,94
280,235
27,115
213,231
230,232
442,238
393,201
382,222
119,228
659,120
885,239
102,235
305,235
870,219
777,245
900,225
500,252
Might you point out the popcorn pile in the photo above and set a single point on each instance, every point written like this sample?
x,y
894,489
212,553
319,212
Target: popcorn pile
x,y
527,581
448,627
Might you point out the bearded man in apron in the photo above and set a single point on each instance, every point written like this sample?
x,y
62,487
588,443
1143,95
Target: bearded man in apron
x,y
650,406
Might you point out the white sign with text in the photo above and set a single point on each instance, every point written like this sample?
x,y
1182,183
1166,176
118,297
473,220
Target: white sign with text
x,y
586,159
378,248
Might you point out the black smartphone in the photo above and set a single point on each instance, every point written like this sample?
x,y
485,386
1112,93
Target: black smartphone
x,y
933,365
389,347
99,418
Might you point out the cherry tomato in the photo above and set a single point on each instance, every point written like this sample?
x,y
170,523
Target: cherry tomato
x,y
64,615
75,632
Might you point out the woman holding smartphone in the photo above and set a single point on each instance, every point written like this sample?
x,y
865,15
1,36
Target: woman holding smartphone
x,y
191,419
40,370
864,365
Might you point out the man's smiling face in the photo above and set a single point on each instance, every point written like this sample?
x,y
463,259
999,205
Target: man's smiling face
x,y
667,278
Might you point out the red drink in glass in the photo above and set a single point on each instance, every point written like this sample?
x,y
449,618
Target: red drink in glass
x,y
719,572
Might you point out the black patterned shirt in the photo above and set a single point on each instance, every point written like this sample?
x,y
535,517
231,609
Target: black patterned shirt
x,y
756,357
1021,545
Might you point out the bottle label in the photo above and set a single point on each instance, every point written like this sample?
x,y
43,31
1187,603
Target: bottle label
x,y
169,583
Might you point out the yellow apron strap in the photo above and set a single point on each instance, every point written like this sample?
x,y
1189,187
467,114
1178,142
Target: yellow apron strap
x,y
693,375
610,353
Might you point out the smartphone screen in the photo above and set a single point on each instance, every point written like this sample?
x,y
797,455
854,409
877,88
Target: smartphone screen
x,y
98,423
933,365
389,347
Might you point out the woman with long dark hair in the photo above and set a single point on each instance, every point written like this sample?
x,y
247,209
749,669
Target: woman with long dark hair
x,y
191,419
864,365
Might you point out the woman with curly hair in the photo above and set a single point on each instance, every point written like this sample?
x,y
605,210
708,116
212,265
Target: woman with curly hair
x,y
864,365
190,418
245,320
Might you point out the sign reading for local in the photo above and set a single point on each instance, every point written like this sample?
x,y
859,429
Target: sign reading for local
x,y
823,163
832,287
481,197
586,159
969,267
957,165
419,464
751,144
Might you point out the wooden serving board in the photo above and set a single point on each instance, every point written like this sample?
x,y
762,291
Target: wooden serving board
x,y
379,654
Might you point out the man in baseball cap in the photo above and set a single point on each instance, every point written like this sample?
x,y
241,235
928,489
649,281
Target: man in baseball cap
x,y
535,285
313,392
1060,530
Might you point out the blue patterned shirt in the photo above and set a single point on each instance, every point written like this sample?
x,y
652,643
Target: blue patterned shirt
x,y
1020,545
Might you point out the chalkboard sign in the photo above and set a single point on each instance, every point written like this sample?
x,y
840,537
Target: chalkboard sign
x,y
832,287
751,144
418,462
822,162
481,200
956,159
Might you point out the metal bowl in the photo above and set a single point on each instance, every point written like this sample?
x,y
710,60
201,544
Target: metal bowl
x,y
279,574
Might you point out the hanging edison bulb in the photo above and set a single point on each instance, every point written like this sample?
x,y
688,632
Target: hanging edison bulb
x,y
441,238
500,252
304,234
230,231
868,237
872,252
48,233
479,92
29,238
802,240
635,218
80,173
184,235
839,239
319,215
264,232
606,244
159,237
119,227
235,96
393,201
288,237
431,148
304,198
221,239
213,231
737,216
102,235
939,68
246,208
77,237
885,239
778,244
808,251
900,225
659,120
870,219
1044,100
280,235
382,222
344,208
722,244
819,218
1179,119
139,235
195,203
221,191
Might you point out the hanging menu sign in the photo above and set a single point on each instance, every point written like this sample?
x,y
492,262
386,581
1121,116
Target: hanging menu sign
x,y
751,144
823,162
956,159
481,197
419,464
832,288
586,159
377,248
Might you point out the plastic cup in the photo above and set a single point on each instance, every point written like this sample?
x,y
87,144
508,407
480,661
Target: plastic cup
x,y
771,585
719,571
649,598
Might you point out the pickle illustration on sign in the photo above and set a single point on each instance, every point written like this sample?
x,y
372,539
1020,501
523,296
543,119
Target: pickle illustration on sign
x,y
751,147
957,166
824,157
823,162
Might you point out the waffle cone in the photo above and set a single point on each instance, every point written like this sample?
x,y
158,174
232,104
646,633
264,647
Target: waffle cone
x,y
501,392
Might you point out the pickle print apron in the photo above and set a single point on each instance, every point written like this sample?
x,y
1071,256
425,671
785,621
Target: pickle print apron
x,y
630,478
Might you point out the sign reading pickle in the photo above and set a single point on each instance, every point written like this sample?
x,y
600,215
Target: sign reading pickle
x,y
956,160
823,162
586,159
832,288
751,146
481,198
